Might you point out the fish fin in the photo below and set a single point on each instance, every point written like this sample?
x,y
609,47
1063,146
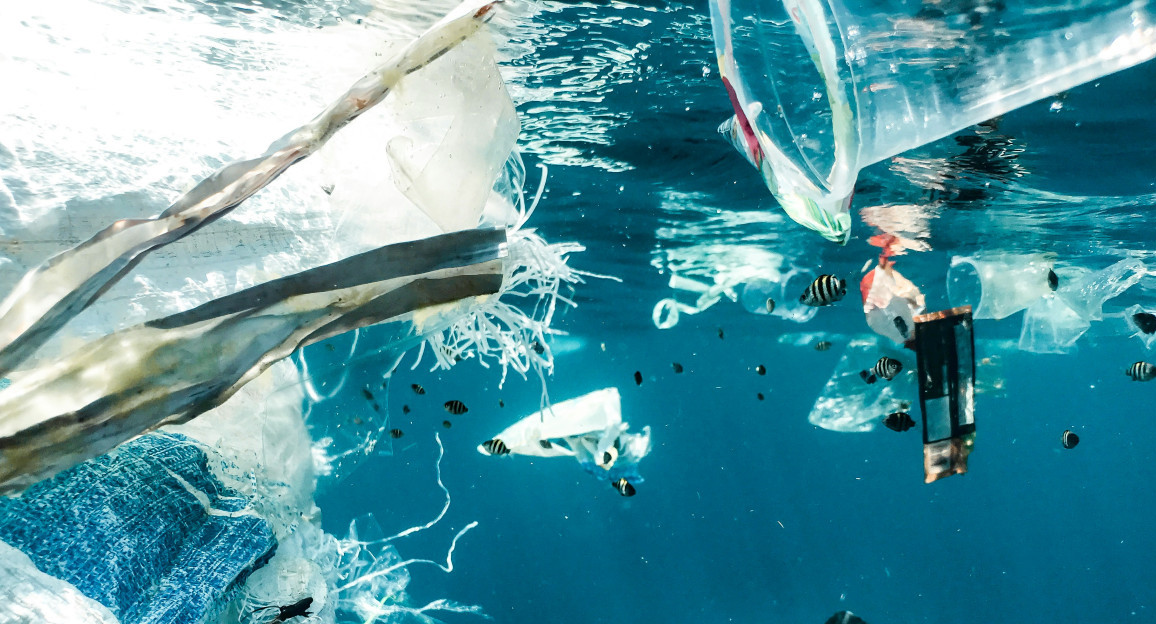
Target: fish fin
x,y
868,377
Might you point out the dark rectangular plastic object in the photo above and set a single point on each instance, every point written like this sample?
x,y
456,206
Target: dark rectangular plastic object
x,y
945,350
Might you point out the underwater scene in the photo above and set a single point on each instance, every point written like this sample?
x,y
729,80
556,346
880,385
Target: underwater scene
x,y
580,312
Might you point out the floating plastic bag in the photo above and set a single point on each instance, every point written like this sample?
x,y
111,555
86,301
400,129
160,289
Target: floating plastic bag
x,y
1050,326
1143,323
779,297
848,404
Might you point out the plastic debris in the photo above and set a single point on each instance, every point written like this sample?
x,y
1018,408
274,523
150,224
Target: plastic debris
x,y
998,285
890,302
588,428
945,346
783,292
848,404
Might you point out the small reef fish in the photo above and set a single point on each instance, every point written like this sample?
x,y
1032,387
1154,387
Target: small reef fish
x,y
720,333
396,433
825,290
404,409
1141,371
501,403
456,407
770,305
886,367
638,378
901,325
328,188
1069,439
624,488
1145,322
760,369
496,447
898,421
538,347
367,394
546,444
1053,280
677,367
760,396
417,389
822,345
447,424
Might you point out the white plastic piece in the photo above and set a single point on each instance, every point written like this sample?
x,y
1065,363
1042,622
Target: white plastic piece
x,y
890,302
849,404
596,412
999,285
28,595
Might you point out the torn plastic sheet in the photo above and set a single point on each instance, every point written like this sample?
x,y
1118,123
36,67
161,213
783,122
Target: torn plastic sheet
x,y
175,368
1143,324
945,345
588,428
847,403
66,284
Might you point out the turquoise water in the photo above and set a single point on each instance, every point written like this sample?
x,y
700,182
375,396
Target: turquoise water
x,y
748,511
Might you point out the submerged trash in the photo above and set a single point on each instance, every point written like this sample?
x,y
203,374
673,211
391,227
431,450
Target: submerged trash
x,y
1069,439
898,421
284,614
822,345
824,291
890,301
588,428
776,295
945,350
624,488
456,407
1141,371
886,367
677,367
417,389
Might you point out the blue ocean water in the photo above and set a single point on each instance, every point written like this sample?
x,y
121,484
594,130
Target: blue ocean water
x,y
749,513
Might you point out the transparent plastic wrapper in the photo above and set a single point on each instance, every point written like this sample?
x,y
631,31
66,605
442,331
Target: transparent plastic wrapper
x,y
779,297
667,312
945,348
1143,323
847,403
823,89
588,428
890,302
29,595
1055,322
998,285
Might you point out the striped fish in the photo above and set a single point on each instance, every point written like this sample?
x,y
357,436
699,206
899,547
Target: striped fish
x,y
1069,439
898,421
417,389
825,290
456,407
822,345
624,488
496,447
886,367
1141,371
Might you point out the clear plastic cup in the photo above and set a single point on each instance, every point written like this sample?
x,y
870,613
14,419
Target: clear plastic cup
x,y
784,292
823,88
998,285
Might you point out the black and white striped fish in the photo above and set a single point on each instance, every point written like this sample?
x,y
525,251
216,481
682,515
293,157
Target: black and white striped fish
x,y
496,447
886,367
898,421
1069,439
417,389
624,488
1141,371
825,290
456,407
822,345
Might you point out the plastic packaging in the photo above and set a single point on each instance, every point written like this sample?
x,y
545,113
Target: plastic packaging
x,y
783,292
1143,323
890,302
822,89
998,285
1054,323
847,403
